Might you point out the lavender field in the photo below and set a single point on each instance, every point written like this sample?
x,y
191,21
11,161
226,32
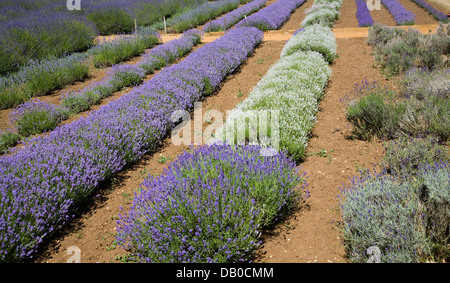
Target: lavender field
x,y
101,148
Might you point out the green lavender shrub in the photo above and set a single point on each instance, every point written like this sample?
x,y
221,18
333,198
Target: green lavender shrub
x,y
111,20
35,117
382,211
373,112
8,139
435,198
407,154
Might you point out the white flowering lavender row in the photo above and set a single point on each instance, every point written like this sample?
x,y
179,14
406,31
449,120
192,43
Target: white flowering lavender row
x,y
235,16
209,206
42,184
271,17
315,38
324,12
292,86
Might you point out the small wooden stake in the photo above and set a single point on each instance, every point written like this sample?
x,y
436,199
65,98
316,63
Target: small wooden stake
x,y
165,27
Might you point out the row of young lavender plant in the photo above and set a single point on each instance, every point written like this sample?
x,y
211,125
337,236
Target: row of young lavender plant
x,y
438,15
401,15
235,16
198,15
40,77
42,184
271,17
323,12
35,116
293,86
363,14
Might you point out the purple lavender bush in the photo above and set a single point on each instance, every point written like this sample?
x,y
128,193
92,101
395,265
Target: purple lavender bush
x,y
209,206
363,14
44,182
271,17
122,48
400,14
235,16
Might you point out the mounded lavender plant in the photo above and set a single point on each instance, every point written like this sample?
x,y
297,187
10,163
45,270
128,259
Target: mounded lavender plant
x,y
123,75
35,117
313,38
39,35
405,216
324,13
200,15
209,205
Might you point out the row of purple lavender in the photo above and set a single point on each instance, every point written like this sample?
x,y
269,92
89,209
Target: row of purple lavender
x,y
363,14
433,11
123,75
43,183
235,16
401,15
35,117
271,17
398,11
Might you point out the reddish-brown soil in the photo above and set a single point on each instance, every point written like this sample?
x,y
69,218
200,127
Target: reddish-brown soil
x,y
308,233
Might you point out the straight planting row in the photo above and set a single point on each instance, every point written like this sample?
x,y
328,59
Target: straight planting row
x,y
212,203
36,116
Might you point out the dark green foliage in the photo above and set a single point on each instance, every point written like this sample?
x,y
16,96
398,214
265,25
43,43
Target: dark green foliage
x,y
374,113
8,139
111,20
